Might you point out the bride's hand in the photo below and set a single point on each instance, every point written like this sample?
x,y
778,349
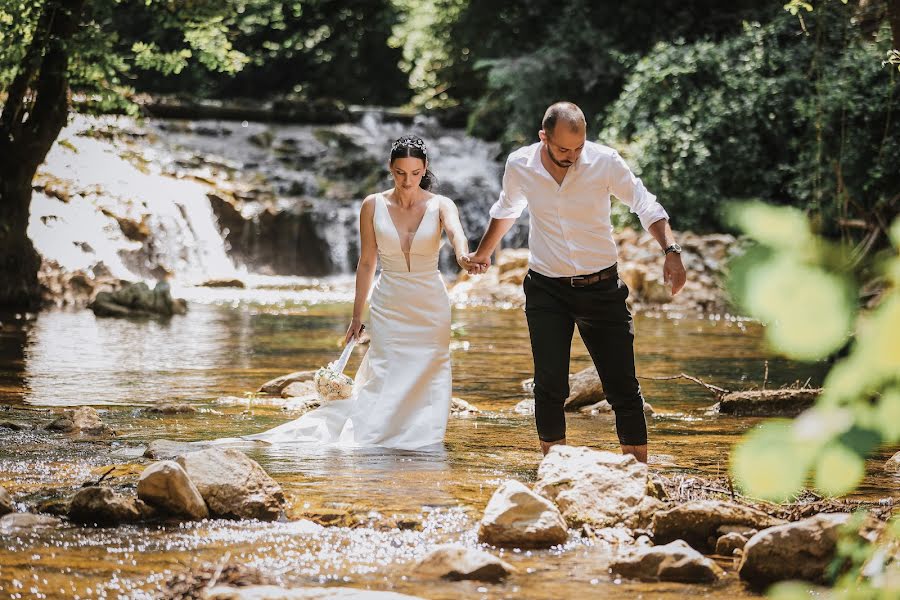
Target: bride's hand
x,y
356,327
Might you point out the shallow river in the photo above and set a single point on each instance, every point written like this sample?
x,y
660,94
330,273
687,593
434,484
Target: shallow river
x,y
231,342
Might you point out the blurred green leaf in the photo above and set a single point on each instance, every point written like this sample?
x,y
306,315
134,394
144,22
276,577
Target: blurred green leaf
x,y
781,227
769,464
839,470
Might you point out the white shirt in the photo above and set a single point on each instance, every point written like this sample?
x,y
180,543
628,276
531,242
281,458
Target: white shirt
x,y
571,232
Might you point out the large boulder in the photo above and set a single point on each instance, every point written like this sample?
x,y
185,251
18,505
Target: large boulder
x,y
675,561
456,563
166,486
6,503
592,487
232,485
698,521
517,517
801,550
138,300
101,505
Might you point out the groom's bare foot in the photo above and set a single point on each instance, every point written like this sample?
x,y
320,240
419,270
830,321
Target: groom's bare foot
x,y
639,452
545,446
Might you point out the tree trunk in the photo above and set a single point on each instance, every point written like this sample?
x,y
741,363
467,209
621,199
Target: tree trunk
x,y
893,9
27,132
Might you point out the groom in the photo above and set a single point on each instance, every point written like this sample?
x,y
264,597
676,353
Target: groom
x,y
566,183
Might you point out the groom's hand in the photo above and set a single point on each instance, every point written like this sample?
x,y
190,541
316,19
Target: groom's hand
x,y
673,272
478,264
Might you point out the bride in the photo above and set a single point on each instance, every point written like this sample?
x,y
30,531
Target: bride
x,y
402,390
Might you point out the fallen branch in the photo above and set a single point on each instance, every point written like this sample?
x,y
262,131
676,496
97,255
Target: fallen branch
x,y
718,391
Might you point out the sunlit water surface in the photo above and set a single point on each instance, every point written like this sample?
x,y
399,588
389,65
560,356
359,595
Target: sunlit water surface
x,y
232,341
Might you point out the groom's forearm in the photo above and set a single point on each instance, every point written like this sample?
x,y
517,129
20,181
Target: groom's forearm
x,y
662,232
495,232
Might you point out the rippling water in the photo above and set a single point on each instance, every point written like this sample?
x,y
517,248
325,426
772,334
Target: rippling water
x,y
232,341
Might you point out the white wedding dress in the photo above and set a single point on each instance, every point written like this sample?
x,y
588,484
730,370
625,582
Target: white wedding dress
x,y
402,390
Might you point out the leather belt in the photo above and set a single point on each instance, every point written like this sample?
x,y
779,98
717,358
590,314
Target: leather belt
x,y
583,280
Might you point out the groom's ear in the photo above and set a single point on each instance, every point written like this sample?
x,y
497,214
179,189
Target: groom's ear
x,y
542,135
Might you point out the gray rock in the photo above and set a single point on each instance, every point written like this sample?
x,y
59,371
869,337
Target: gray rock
x,y
15,426
84,420
275,386
461,408
767,403
166,486
728,543
272,592
517,517
893,464
605,408
6,503
525,407
601,489
696,522
675,561
456,563
584,389
21,523
301,389
164,449
103,506
232,485
801,550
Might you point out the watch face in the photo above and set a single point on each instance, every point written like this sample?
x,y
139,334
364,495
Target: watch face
x,y
674,248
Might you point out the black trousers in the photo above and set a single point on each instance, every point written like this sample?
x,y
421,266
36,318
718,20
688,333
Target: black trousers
x,y
553,308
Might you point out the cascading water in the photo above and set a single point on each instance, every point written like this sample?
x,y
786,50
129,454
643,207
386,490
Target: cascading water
x,y
196,198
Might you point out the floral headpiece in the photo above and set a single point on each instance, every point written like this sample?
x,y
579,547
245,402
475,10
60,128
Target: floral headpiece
x,y
409,141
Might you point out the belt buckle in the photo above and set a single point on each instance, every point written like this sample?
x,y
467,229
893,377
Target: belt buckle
x,y
572,280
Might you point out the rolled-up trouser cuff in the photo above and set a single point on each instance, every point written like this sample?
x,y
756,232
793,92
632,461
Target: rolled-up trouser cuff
x,y
631,428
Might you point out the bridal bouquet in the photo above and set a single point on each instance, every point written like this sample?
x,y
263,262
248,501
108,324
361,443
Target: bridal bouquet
x,y
332,384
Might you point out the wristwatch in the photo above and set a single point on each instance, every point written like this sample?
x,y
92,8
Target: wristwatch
x,y
673,248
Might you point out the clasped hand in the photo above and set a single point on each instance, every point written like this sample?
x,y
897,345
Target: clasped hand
x,y
473,264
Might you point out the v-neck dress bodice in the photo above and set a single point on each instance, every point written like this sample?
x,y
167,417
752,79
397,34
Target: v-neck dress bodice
x,y
424,248
403,388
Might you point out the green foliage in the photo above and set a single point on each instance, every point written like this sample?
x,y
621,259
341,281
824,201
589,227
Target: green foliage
x,y
774,114
799,285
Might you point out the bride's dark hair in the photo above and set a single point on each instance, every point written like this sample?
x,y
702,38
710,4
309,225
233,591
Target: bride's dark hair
x,y
411,146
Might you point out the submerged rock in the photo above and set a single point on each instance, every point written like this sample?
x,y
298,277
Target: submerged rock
x,y
232,485
589,486
728,543
138,300
525,407
675,561
101,505
163,449
272,592
171,408
166,486
605,408
20,523
517,517
801,550
456,563
696,522
6,503
461,408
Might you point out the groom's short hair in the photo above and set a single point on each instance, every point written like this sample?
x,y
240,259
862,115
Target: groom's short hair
x,y
563,112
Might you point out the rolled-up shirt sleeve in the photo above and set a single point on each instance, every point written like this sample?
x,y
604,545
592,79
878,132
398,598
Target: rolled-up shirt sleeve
x,y
627,187
512,201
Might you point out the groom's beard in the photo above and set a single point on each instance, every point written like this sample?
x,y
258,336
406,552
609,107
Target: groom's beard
x,y
565,164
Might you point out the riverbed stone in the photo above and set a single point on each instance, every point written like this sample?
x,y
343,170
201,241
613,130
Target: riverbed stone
x,y
767,403
462,408
728,543
599,488
102,505
165,449
455,562
800,550
893,464
584,389
272,592
301,389
20,523
517,517
675,561
525,407
166,486
275,386
233,485
84,420
6,503
605,408
696,522
138,300
171,408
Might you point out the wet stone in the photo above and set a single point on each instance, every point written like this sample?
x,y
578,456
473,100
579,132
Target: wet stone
x,y
675,561
168,408
728,543
517,517
21,523
163,449
696,522
6,503
271,592
166,486
893,464
15,426
102,505
457,563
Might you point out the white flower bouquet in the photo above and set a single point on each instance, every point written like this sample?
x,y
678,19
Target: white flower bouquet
x,y
331,383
